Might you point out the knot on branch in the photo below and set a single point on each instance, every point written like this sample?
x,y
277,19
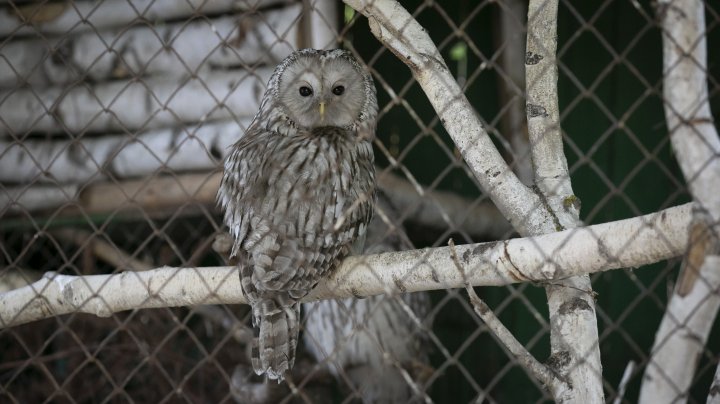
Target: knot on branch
x,y
534,110
532,58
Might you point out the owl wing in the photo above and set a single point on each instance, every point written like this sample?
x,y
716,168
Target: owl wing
x,y
241,174
262,192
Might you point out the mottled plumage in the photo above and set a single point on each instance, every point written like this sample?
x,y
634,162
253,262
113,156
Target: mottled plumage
x,y
297,191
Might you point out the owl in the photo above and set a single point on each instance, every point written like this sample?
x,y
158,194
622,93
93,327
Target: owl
x,y
297,191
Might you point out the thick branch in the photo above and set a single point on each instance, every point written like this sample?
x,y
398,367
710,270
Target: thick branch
x,y
542,108
694,304
573,323
626,243
687,109
681,338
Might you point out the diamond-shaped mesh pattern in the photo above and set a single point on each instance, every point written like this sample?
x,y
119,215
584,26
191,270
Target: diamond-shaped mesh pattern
x,y
115,117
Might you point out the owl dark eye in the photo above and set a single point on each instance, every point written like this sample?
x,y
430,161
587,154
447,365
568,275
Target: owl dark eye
x,y
339,90
305,91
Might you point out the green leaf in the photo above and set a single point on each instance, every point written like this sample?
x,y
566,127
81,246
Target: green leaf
x,y
349,13
458,51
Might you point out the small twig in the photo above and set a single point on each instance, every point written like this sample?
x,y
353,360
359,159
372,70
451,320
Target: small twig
x,y
523,356
624,381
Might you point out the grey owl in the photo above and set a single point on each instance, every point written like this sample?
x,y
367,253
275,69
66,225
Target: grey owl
x,y
297,191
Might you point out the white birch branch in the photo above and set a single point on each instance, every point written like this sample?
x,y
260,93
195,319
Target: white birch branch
x,y
574,341
196,147
83,15
681,338
625,243
542,108
131,105
175,49
690,314
687,109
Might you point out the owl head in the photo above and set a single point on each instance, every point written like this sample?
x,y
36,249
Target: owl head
x,y
314,88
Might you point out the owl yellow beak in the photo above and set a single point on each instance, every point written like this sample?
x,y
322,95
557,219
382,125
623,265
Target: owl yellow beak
x,y
322,111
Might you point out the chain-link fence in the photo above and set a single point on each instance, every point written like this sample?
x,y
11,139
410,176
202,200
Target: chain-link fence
x,y
116,115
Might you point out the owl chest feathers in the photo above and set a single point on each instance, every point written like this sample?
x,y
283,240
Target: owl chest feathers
x,y
314,188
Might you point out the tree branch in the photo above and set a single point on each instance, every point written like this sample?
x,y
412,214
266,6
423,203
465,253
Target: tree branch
x,y
573,323
626,243
694,304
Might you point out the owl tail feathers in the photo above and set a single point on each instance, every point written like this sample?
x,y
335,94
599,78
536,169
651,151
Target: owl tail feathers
x,y
273,348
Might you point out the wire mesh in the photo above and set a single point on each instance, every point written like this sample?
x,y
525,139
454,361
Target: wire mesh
x,y
115,116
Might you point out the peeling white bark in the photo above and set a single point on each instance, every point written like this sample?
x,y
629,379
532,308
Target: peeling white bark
x,y
542,108
89,159
681,338
625,243
687,110
133,104
83,15
175,49
694,304
574,341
